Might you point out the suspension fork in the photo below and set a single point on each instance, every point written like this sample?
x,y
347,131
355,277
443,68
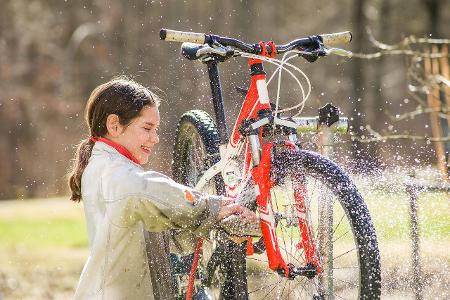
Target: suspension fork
x,y
304,219
261,176
307,242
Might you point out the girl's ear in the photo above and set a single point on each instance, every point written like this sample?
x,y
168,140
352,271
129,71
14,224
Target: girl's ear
x,y
113,125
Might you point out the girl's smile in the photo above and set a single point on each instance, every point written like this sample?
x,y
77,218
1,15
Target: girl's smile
x,y
139,136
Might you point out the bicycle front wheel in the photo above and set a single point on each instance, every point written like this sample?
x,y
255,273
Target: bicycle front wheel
x,y
339,226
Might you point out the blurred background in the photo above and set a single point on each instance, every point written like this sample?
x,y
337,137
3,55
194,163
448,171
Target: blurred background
x,y
53,53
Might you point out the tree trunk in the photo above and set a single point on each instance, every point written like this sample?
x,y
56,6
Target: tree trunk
x,y
379,96
434,13
358,79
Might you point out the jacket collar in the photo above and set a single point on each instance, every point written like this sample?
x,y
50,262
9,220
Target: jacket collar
x,y
101,148
121,149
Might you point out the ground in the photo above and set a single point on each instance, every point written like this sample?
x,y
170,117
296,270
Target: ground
x,y
44,246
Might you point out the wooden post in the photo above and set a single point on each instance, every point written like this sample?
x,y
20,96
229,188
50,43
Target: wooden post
x,y
432,68
446,74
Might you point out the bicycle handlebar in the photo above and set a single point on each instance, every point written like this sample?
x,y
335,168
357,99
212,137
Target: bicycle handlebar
x,y
334,39
170,35
328,40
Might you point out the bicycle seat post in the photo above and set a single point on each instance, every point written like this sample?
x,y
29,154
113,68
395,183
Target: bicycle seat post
x,y
216,90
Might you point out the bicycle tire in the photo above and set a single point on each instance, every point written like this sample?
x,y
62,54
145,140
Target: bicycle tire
x,y
197,132
365,272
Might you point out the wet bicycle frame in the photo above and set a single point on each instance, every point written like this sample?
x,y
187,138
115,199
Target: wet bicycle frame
x,y
256,106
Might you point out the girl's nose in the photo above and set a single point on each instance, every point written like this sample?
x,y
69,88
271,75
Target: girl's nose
x,y
155,138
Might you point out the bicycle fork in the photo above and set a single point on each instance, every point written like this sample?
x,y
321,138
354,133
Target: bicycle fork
x,y
261,176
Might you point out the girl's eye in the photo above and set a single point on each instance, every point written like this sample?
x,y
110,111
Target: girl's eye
x,y
147,129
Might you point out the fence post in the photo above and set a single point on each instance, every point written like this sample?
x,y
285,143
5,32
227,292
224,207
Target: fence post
x,y
413,191
326,147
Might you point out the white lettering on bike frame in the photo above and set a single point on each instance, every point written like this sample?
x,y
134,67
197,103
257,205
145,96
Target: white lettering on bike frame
x,y
262,91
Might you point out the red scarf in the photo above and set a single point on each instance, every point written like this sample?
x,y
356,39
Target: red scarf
x,y
121,149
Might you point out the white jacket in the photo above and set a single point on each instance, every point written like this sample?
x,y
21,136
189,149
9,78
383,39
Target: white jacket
x,y
120,201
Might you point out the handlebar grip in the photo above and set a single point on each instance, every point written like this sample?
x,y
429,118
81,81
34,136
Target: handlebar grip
x,y
181,36
338,38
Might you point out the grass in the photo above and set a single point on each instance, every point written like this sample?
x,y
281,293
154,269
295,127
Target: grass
x,y
43,243
43,248
42,223
42,233
57,222
390,214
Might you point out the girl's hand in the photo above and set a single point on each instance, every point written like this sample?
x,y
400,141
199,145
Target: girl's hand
x,y
230,208
238,239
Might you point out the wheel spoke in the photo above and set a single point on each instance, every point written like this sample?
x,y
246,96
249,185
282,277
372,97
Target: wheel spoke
x,y
341,236
341,268
289,254
283,229
268,293
284,287
264,287
339,223
346,252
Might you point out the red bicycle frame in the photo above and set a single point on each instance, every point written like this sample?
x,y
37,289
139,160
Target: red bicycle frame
x,y
257,99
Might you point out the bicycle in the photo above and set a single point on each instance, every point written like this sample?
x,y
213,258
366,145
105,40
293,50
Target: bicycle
x,y
318,240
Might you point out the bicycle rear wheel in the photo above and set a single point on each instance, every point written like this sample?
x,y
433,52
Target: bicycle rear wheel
x,y
196,149
340,225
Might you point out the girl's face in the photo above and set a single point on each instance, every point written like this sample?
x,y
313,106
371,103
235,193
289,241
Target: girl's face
x,y
141,134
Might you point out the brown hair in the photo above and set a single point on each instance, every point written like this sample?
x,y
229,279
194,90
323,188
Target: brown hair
x,y
121,96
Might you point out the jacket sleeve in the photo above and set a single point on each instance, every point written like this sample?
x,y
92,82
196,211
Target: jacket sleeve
x,y
132,195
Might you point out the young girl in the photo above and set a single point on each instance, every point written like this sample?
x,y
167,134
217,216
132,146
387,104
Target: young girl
x,y
121,200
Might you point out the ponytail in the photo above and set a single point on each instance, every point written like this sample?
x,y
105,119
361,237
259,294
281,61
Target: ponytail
x,y
82,155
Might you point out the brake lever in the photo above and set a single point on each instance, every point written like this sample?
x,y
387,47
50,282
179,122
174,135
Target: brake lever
x,y
211,50
339,51
311,54
217,51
